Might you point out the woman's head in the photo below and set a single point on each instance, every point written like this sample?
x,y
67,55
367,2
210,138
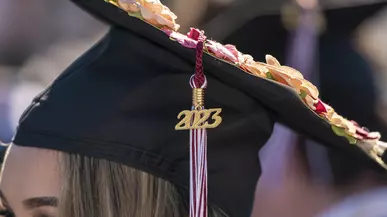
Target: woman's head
x,y
39,182
119,102
30,182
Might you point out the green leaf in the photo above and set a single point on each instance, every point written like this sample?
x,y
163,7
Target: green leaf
x,y
269,76
351,140
136,14
341,132
303,94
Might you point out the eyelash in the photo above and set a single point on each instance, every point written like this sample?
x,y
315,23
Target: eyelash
x,y
7,213
43,215
10,214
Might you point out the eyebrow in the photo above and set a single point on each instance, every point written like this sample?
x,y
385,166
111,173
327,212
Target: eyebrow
x,y
36,202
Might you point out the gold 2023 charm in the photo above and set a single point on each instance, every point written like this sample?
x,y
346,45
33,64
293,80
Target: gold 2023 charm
x,y
198,118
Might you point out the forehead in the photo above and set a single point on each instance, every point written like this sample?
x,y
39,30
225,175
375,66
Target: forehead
x,y
29,173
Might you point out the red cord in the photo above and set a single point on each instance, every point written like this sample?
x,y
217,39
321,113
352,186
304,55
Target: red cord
x,y
199,77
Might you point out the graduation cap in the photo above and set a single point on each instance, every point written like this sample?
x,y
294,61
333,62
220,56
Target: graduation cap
x,y
120,100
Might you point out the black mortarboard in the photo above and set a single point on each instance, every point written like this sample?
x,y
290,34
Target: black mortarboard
x,y
119,102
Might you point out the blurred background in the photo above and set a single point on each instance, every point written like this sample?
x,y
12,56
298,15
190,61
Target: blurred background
x,y
338,44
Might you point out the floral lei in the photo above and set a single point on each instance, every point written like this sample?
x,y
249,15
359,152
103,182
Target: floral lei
x,y
155,13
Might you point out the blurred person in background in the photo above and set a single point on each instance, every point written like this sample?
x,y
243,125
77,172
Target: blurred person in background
x,y
44,23
35,47
204,10
369,195
372,42
6,131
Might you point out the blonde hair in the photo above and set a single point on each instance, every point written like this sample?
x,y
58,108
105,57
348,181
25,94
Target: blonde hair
x,y
100,188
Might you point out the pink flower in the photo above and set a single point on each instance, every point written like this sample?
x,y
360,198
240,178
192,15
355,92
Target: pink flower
x,y
232,50
182,39
194,34
364,133
221,51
